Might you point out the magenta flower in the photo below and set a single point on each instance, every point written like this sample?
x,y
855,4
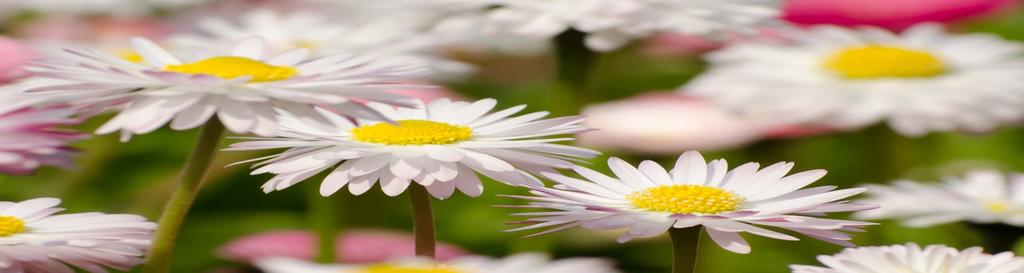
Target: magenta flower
x,y
30,136
893,15
353,247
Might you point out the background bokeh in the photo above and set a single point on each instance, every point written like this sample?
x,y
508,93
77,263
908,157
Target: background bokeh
x,y
135,177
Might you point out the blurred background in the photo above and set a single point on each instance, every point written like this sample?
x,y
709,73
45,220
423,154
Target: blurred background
x,y
137,176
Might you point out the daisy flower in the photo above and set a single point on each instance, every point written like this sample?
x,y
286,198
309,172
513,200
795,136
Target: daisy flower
x,y
30,137
440,145
241,85
34,239
610,24
920,81
323,36
536,263
980,196
913,258
650,200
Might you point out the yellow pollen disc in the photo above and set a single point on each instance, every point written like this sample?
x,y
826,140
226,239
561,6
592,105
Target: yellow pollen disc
x,y
997,207
230,67
412,132
877,61
11,225
394,269
130,55
686,199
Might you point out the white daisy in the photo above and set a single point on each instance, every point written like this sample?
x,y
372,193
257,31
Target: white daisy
x,y
981,196
440,145
912,258
534,263
33,239
650,200
242,85
613,23
323,36
920,81
30,136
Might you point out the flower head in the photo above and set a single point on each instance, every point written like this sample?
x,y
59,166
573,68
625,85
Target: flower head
x,y
33,239
649,200
537,263
30,137
920,81
980,196
356,246
913,258
243,86
441,145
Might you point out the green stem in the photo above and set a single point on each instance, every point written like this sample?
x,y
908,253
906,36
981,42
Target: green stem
x,y
322,218
159,257
423,221
685,245
577,69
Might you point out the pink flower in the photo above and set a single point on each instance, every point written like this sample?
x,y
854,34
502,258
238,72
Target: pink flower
x,y
29,136
13,55
353,247
665,123
891,14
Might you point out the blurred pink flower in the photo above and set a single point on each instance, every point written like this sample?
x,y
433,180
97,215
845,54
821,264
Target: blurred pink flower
x,y
665,123
96,30
353,247
891,14
30,137
13,55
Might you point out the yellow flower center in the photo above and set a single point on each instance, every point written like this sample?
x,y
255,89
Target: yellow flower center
x,y
686,199
230,67
877,61
11,225
997,207
412,132
396,269
130,55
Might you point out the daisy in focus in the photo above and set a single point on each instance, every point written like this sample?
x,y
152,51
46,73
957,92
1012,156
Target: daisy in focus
x,y
535,263
649,200
611,24
30,136
242,85
913,258
440,145
34,239
920,81
980,196
323,36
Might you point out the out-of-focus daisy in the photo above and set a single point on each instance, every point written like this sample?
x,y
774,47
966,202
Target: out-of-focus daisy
x,y
650,200
354,246
96,7
241,85
980,196
34,239
920,81
441,145
894,15
323,36
610,24
666,123
913,258
536,263
16,56
30,137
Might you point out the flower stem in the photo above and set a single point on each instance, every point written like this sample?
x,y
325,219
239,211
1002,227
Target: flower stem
x,y
423,221
685,245
577,69
159,258
322,218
